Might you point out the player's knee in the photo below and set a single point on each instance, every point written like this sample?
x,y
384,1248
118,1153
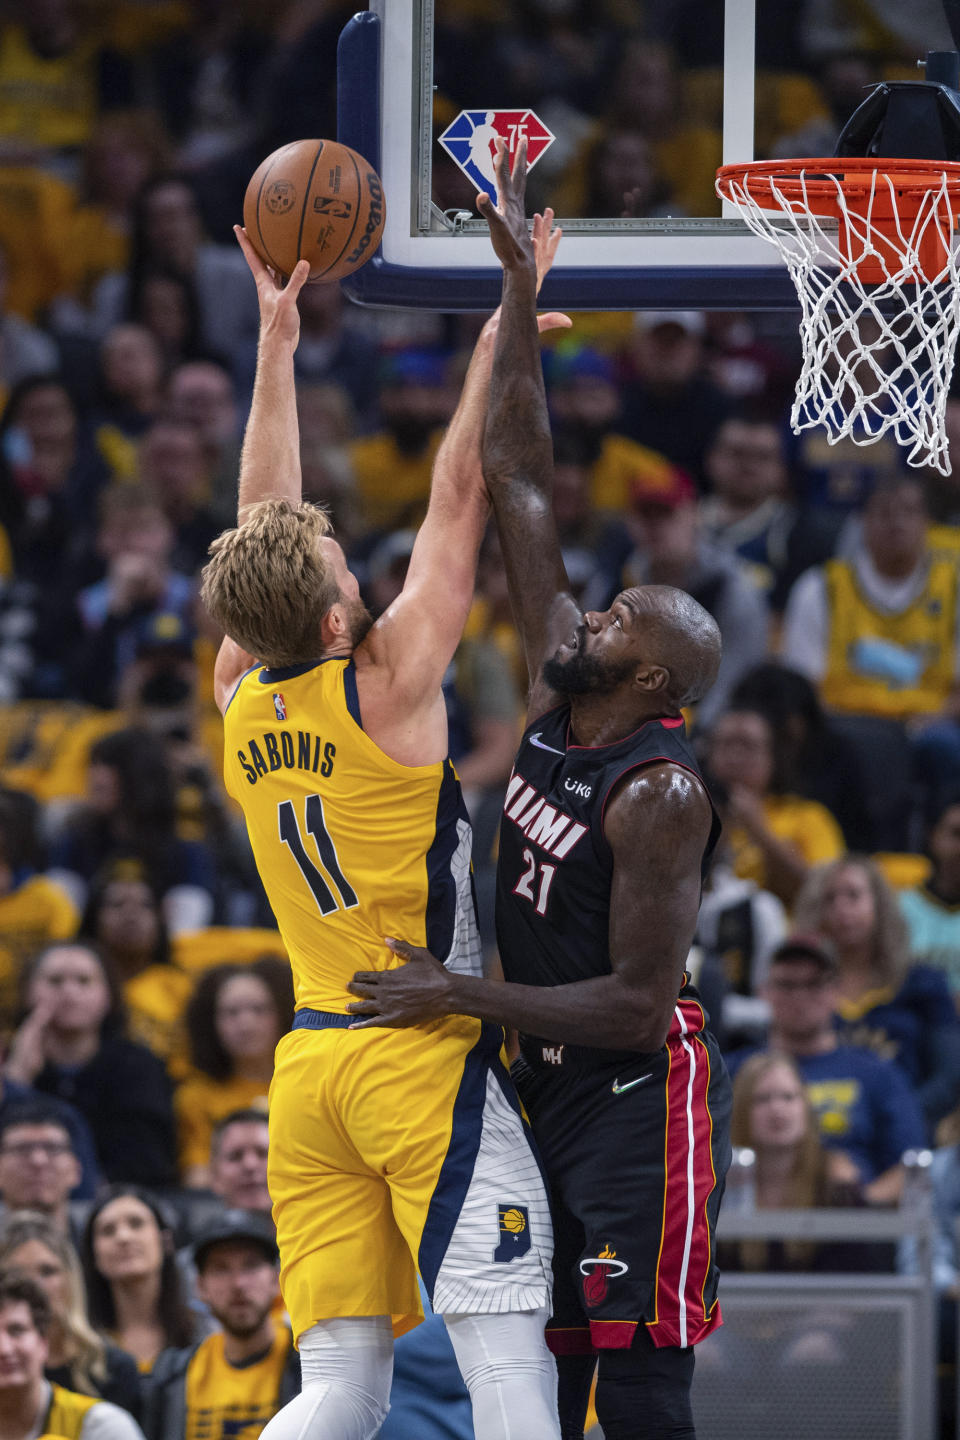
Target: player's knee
x,y
510,1373
328,1410
347,1367
499,1349
505,1371
361,1412
635,1406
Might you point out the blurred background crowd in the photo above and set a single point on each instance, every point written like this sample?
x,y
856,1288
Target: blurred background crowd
x,y
143,985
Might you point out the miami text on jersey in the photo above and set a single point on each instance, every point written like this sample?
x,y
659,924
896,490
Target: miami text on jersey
x,y
541,823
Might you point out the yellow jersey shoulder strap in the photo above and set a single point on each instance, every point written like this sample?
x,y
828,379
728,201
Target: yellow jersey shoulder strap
x,y
67,1412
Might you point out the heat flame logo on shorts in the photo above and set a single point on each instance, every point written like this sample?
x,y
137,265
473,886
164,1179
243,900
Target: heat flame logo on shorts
x,y
596,1271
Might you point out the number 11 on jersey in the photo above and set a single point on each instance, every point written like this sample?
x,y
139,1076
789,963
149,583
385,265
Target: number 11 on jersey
x,y
537,892
315,878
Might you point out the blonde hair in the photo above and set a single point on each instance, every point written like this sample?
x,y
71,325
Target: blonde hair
x,y
268,585
890,948
86,1351
809,1179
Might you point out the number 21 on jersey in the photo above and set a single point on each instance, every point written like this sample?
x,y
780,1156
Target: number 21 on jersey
x,y
319,881
534,884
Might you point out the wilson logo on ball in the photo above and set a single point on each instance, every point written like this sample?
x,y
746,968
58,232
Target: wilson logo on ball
x,y
280,198
374,219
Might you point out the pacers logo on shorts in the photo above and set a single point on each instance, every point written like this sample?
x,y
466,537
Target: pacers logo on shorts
x,y
514,1223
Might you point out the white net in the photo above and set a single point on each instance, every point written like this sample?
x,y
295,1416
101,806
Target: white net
x,y
878,354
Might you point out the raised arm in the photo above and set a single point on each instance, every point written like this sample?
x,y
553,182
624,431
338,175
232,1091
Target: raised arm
x,y
270,458
418,635
517,445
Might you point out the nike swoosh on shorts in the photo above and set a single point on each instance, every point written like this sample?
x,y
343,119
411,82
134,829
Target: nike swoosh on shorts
x,y
618,1089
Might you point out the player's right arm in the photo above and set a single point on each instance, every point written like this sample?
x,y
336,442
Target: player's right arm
x,y
270,458
414,641
517,445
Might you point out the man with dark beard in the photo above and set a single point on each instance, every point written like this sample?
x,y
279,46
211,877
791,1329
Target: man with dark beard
x,y
236,1379
607,825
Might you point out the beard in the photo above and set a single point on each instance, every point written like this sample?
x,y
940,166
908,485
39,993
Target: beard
x,y
243,1329
360,621
586,674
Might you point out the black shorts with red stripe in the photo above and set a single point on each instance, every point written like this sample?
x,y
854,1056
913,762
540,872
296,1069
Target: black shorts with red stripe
x,y
636,1149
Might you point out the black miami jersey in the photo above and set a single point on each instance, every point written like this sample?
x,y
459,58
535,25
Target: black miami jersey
x,y
556,868
635,1146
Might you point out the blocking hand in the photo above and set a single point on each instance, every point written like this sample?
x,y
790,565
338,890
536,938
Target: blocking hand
x,y
508,221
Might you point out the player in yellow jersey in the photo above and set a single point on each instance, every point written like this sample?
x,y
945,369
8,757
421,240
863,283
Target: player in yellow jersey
x,y
389,1151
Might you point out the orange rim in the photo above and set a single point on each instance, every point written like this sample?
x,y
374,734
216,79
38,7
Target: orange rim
x,y
818,178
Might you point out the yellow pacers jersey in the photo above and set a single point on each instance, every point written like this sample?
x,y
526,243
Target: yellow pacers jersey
x,y
894,665
351,846
230,1402
67,1412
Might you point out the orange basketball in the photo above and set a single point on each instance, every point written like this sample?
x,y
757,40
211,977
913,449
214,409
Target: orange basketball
x,y
315,200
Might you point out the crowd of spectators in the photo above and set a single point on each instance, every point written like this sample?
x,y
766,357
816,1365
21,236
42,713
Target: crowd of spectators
x,y
143,984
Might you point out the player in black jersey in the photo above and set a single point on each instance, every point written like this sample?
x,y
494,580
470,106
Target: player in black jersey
x,y
607,826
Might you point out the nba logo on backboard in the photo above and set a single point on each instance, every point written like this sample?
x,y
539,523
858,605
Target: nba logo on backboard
x,y
279,706
469,141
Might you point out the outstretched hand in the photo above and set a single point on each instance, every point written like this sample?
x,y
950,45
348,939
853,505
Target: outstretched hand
x,y
507,220
279,315
546,240
409,995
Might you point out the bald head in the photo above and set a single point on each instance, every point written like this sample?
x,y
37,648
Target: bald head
x,y
683,638
654,651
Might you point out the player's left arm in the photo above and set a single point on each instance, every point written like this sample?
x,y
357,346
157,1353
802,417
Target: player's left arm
x,y
657,825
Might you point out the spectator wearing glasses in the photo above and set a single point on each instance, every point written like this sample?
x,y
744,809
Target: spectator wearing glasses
x,y
38,1164
867,1113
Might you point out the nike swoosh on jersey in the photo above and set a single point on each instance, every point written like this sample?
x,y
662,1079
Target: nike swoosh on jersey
x,y
619,1089
535,740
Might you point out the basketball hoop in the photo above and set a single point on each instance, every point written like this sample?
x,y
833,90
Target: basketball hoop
x,y
879,290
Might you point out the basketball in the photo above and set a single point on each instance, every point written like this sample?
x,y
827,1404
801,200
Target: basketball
x,y
513,1221
314,200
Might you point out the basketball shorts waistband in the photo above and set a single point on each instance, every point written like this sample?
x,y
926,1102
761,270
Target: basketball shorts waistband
x,y
321,1020
549,1056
